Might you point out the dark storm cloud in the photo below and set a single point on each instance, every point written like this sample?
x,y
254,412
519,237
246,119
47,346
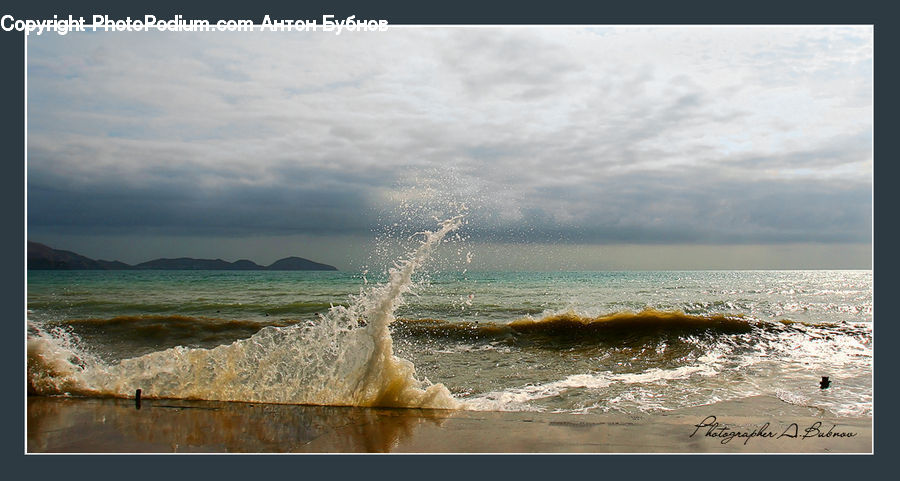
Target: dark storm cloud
x,y
179,205
644,136
658,210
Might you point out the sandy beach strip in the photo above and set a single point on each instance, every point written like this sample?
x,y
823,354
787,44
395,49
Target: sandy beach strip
x,y
761,424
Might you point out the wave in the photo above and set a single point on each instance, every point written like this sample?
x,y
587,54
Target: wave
x,y
569,327
149,324
331,362
186,329
129,336
617,325
237,308
646,320
563,324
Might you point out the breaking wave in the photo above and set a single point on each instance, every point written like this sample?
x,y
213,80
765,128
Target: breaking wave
x,y
336,361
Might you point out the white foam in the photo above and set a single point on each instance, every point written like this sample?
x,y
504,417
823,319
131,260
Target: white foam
x,y
518,399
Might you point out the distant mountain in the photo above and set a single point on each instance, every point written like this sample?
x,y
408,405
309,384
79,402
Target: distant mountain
x,y
113,265
42,257
298,264
245,265
187,263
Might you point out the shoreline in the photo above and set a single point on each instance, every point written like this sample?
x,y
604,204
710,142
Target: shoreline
x,y
759,424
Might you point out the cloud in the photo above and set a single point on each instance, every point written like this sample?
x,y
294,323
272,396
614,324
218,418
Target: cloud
x,y
732,135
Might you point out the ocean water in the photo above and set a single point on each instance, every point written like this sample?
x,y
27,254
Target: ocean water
x,y
573,342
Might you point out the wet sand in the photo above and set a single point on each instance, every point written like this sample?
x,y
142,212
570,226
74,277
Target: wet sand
x,y
79,425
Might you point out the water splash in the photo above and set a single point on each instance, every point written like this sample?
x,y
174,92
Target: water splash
x,y
346,358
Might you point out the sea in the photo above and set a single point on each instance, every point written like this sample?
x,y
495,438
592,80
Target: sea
x,y
628,342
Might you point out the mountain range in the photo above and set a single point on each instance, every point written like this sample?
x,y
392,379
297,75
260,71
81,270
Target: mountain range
x,y
42,257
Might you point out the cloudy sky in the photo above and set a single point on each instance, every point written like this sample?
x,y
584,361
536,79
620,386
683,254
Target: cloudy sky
x,y
573,148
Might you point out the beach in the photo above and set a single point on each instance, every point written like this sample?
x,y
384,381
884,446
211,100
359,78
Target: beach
x,y
634,362
297,245
96,425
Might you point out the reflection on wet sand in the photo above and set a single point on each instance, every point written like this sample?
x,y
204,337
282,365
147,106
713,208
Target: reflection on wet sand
x,y
65,424
59,425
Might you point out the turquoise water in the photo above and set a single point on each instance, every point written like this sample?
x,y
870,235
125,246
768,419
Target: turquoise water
x,y
245,295
808,296
465,330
